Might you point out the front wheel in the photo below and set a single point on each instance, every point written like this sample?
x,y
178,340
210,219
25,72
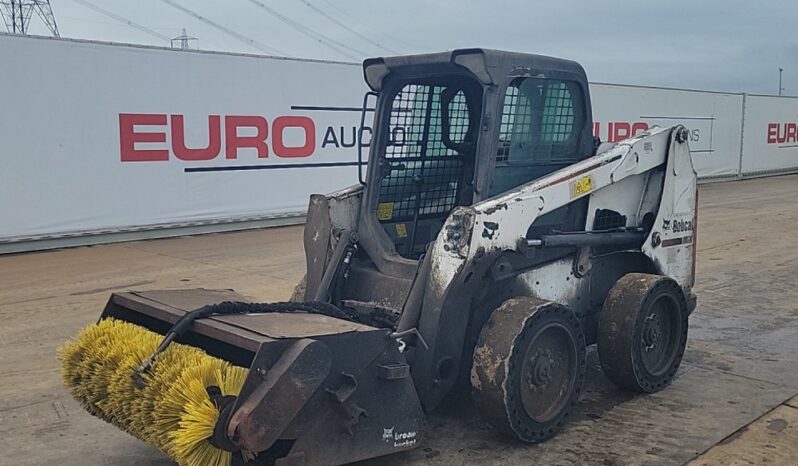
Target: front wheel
x,y
529,368
642,332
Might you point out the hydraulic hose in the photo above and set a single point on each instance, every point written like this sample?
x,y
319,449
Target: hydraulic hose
x,y
231,308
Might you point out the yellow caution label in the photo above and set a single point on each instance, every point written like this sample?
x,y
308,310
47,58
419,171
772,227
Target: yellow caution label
x,y
401,230
385,211
581,185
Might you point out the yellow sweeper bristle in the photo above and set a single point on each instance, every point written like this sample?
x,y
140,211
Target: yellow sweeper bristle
x,y
196,424
173,411
164,404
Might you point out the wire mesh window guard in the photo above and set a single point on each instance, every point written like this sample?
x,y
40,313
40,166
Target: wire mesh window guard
x,y
425,175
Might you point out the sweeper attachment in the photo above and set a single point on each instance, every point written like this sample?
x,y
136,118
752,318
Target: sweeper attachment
x,y
490,240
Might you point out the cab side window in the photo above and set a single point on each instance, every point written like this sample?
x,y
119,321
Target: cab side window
x,y
541,125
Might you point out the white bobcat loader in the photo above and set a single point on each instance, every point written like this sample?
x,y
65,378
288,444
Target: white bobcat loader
x,y
490,240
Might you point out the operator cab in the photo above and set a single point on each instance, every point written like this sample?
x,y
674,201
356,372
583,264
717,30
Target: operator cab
x,y
452,129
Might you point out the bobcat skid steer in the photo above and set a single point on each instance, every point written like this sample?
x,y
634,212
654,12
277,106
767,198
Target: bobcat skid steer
x,y
490,240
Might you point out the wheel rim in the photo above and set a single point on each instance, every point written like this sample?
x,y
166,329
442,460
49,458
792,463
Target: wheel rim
x,y
659,335
549,372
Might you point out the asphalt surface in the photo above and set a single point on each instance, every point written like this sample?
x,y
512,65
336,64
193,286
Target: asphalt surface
x,y
728,405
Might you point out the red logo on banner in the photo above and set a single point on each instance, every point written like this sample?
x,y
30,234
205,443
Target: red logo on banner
x,y
255,127
779,133
619,130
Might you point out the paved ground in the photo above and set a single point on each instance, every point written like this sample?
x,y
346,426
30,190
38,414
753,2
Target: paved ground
x,y
732,392
770,439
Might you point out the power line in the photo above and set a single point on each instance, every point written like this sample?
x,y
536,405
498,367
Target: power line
x,y
339,23
363,23
122,19
320,38
110,23
241,37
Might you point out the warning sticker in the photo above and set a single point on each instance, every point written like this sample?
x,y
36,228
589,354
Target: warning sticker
x,y
401,230
385,211
581,186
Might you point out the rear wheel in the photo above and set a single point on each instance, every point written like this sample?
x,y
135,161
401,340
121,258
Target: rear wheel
x,y
642,332
529,368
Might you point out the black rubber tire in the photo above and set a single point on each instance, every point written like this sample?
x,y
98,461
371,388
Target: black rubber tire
x,y
626,338
507,360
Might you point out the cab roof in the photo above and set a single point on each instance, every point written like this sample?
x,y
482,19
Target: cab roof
x,y
487,65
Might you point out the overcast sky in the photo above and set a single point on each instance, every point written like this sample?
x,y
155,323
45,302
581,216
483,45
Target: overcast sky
x,y
726,45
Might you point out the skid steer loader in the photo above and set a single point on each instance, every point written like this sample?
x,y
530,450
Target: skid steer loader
x,y
490,240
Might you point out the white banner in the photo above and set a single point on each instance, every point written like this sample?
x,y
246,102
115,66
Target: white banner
x,y
98,137
712,118
105,138
770,139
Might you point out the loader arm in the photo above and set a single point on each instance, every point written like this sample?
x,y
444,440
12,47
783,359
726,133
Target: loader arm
x,y
502,223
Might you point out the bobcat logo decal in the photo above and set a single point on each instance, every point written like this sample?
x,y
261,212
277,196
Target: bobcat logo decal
x,y
387,434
